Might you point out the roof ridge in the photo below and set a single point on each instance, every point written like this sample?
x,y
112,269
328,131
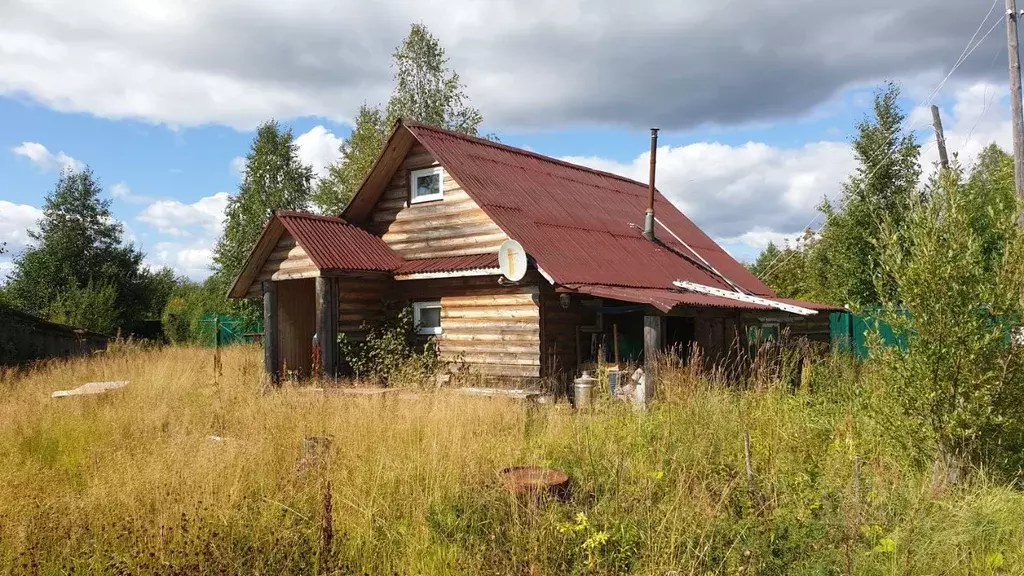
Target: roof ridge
x,y
515,150
310,215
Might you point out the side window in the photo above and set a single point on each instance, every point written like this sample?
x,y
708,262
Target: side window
x,y
426,184
426,316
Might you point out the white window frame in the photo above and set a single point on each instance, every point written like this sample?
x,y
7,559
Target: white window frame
x,y
417,311
432,171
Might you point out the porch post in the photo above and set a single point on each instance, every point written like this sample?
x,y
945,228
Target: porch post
x,y
271,359
653,343
327,325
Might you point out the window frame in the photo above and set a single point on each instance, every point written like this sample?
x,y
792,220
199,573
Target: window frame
x,y
417,311
414,175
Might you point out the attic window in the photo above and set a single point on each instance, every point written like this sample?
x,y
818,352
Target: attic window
x,y
426,184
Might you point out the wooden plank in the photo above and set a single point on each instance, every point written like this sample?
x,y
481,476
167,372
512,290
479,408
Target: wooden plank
x,y
327,325
270,344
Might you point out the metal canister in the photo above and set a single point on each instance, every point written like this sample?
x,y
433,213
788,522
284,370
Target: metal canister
x,y
584,390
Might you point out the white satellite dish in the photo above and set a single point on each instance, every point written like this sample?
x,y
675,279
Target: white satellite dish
x,y
512,260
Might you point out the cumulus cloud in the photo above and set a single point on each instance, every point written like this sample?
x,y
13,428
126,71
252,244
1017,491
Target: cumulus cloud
x,y
15,222
673,63
752,194
176,218
46,160
319,148
189,233
193,260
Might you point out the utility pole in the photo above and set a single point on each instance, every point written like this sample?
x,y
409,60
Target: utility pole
x,y
940,138
1016,106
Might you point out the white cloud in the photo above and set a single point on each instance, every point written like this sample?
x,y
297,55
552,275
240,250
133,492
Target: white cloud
x,y
15,221
745,196
190,259
238,166
120,190
237,63
319,148
176,218
46,160
746,193
194,228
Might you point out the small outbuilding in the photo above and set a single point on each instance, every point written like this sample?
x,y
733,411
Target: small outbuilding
x,y
606,264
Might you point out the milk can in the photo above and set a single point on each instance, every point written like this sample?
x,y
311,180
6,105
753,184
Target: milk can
x,y
584,390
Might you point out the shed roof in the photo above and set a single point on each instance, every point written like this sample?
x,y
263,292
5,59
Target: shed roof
x,y
582,226
331,243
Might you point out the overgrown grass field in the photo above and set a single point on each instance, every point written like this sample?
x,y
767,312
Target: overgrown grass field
x,y
131,482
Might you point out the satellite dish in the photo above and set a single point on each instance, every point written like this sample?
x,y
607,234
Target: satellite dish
x,y
512,260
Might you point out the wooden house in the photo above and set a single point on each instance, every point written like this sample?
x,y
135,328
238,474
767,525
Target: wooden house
x,y
611,264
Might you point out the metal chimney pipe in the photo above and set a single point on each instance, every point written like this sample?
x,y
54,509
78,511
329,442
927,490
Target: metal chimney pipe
x,y
649,217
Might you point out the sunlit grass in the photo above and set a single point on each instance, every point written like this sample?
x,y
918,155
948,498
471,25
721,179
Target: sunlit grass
x,y
132,482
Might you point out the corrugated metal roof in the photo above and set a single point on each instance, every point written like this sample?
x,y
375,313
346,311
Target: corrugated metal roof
x,y
333,244
582,226
662,299
449,264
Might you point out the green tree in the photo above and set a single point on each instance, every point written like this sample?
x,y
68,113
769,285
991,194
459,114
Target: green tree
x,y
784,269
182,317
358,153
275,179
957,267
425,90
844,263
78,257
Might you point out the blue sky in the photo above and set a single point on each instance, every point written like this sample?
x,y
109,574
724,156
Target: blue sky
x,y
750,144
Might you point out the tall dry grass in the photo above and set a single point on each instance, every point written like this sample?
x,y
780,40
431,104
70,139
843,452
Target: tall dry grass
x,y
132,482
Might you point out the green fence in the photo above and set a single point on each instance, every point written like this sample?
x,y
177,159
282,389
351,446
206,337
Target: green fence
x,y
851,331
224,330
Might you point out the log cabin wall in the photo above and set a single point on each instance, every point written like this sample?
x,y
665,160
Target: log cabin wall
x,y
288,261
452,226
560,332
361,303
493,329
720,335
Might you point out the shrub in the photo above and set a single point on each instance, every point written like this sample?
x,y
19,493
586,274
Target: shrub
x,y
392,350
960,290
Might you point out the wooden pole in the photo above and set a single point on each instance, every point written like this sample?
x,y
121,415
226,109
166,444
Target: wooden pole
x,y
940,138
615,335
327,325
653,335
270,344
1016,107
579,352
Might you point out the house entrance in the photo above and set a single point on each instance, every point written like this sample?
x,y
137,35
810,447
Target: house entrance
x,y
296,317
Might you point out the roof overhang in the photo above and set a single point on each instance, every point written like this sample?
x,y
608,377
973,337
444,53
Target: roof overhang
x,y
257,257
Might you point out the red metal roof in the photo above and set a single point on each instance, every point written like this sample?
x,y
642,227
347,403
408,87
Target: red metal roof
x,y
582,226
333,244
449,264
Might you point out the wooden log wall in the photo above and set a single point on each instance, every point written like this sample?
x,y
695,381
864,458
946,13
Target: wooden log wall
x,y
288,261
560,327
453,226
296,323
361,303
493,329
721,337
815,328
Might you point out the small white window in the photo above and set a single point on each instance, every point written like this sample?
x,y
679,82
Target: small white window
x,y
427,184
426,316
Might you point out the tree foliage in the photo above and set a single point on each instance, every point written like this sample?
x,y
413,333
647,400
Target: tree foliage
x,y
840,264
957,267
79,270
275,179
785,268
182,318
425,90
